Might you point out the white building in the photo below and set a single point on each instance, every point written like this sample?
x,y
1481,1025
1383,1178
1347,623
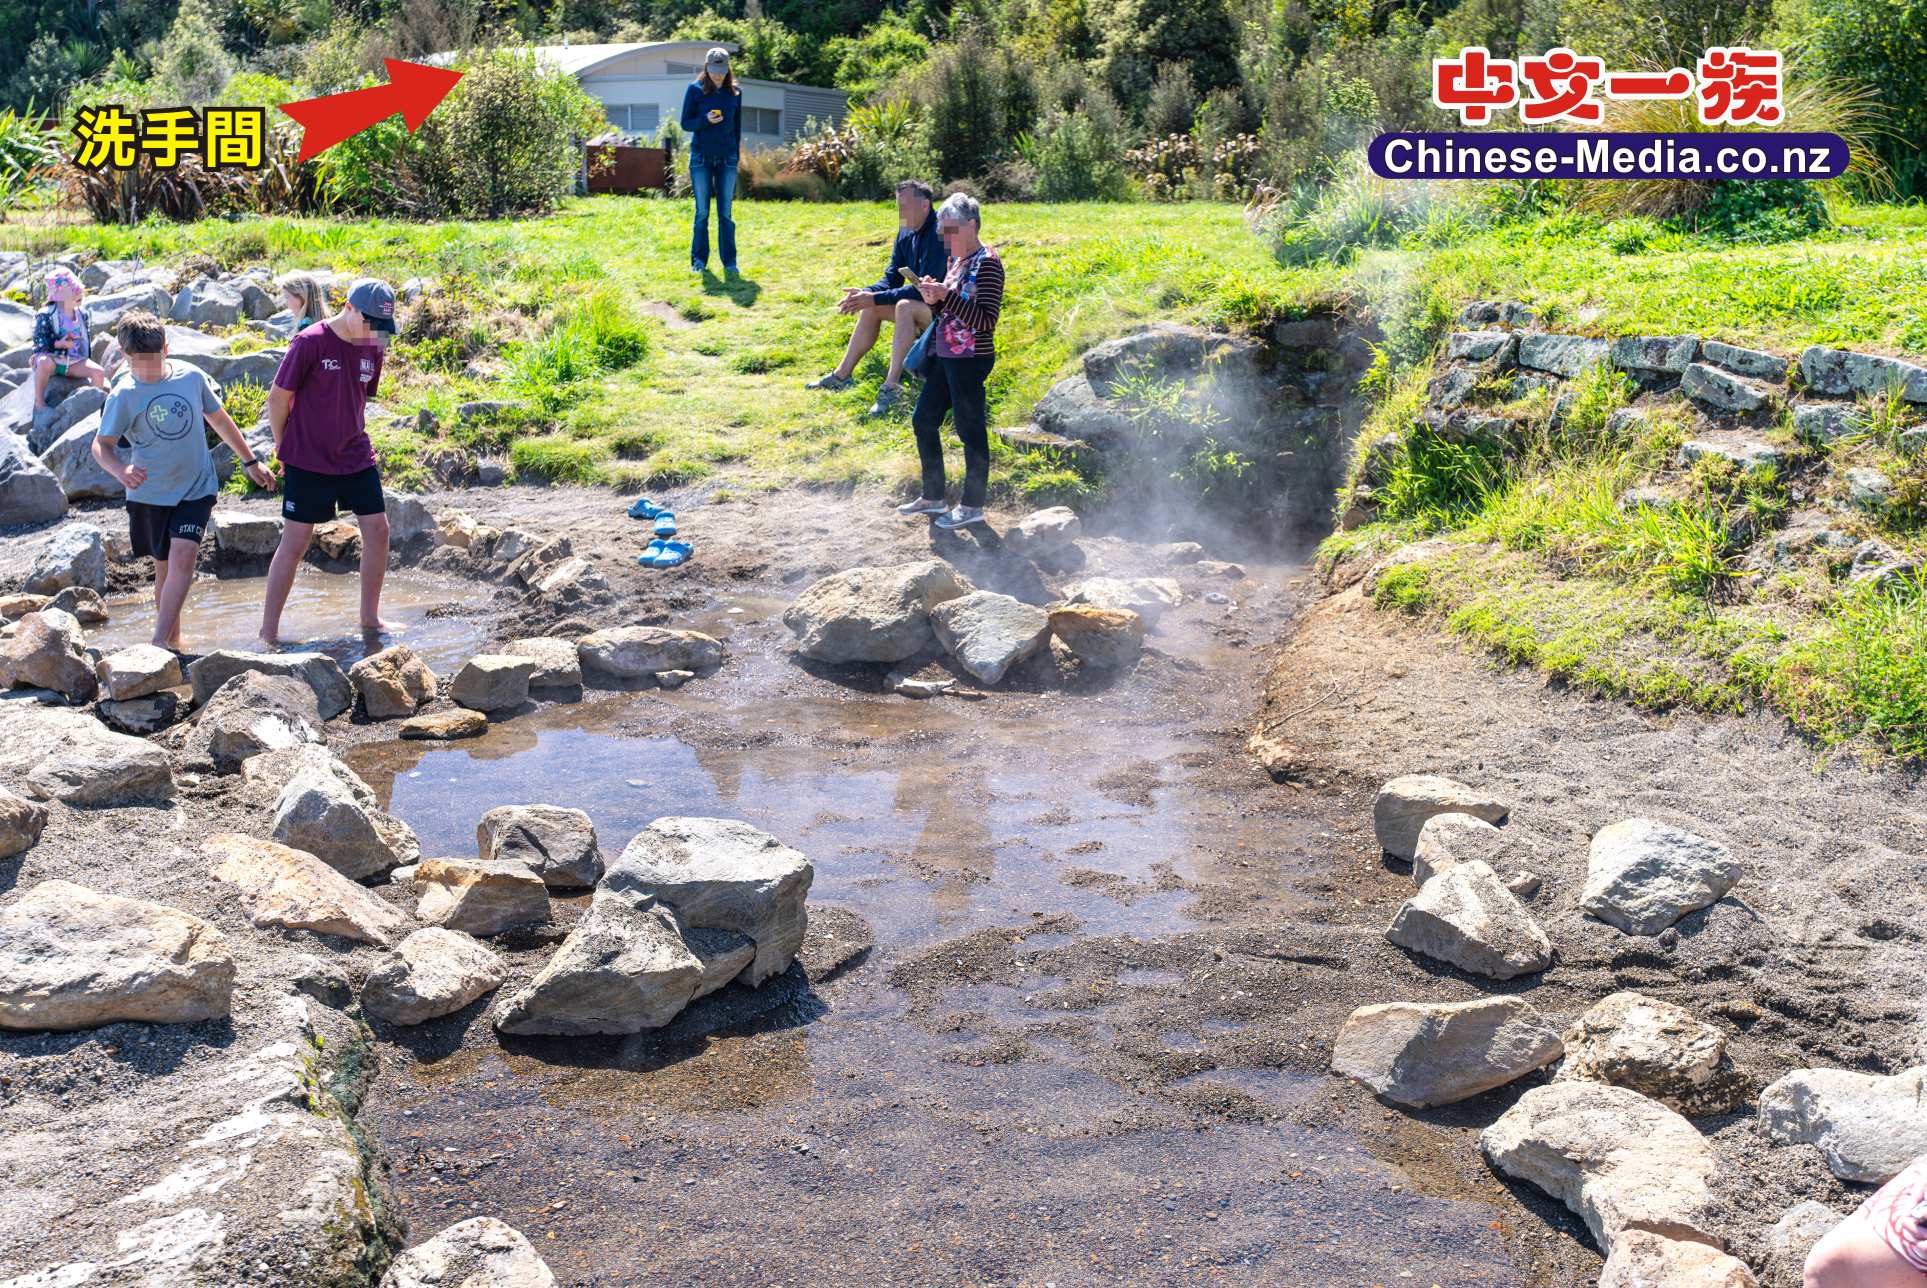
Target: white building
x,y
641,86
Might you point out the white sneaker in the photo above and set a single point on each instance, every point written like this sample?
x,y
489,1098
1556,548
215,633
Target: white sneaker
x,y
910,509
962,517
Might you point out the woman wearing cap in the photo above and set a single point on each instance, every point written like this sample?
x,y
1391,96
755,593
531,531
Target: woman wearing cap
x,y
318,412
961,352
712,117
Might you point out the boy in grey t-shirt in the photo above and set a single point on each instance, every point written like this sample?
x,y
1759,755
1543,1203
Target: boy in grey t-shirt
x,y
157,408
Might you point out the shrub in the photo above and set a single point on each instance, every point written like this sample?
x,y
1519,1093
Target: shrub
x,y
192,65
27,156
1173,106
974,96
1079,154
1877,44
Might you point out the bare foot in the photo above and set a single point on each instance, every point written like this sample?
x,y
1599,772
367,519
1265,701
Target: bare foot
x,y
267,644
381,626
173,646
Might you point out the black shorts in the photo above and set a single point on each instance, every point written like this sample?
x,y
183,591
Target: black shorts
x,y
307,497
153,529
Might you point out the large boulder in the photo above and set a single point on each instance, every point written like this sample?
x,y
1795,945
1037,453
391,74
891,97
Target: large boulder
x,y
1105,639
623,969
333,694
556,843
492,682
872,614
21,822
75,557
253,713
1467,917
321,814
83,404
988,633
71,958
1657,1049
637,652
1641,1259
45,652
392,683
558,662
29,492
268,774
433,972
1643,875
1867,1127
722,874
1403,805
1148,597
480,896
1435,1053
1620,1161
289,888
480,1252
247,536
71,458
137,671
65,755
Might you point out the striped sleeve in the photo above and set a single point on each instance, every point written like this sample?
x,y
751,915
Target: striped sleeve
x,y
980,312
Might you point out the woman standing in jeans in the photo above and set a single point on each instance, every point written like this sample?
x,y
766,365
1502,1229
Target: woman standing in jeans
x,y
961,352
712,117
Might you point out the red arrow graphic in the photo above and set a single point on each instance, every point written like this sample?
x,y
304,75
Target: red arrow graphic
x,y
413,89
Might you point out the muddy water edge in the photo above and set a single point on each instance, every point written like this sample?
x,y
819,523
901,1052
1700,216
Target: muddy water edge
x,y
1051,1022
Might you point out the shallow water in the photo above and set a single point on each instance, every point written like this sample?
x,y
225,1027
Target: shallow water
x,y
322,612
849,1142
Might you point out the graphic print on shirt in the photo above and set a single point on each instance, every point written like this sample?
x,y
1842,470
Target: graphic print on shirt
x,y
166,419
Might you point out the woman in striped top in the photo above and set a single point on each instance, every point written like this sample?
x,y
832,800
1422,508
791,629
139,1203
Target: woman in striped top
x,y
961,352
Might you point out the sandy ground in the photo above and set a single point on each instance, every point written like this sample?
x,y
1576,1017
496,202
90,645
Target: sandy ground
x,y
1070,1018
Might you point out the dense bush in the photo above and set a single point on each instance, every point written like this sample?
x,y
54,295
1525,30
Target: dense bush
x,y
1881,45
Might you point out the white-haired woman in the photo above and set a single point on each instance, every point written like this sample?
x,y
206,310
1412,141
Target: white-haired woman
x,y
961,352
712,117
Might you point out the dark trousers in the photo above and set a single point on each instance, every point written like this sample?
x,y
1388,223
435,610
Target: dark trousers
x,y
954,385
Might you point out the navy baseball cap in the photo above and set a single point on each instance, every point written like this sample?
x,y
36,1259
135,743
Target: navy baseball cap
x,y
375,301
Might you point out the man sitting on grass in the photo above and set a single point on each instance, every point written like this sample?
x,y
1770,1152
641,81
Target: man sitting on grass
x,y
157,407
917,254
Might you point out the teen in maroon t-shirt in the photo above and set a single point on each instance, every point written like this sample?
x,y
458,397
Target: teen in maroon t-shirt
x,y
317,410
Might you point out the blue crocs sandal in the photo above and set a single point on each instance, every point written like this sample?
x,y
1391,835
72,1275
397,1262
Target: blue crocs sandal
x,y
665,554
665,524
644,508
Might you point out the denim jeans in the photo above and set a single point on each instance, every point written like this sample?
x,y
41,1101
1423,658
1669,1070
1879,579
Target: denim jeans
x,y
706,177
955,386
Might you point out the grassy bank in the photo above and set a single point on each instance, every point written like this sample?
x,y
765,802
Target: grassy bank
x,y
718,380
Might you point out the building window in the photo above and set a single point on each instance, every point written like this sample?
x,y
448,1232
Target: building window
x,y
636,118
680,69
763,120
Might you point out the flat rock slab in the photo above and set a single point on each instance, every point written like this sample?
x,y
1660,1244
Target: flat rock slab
x,y
1867,1127
1467,917
1618,1160
556,843
138,671
432,973
480,1252
480,896
1643,875
1657,1049
1403,805
1436,1053
69,756
72,958
291,888
722,874
443,726
333,694
872,614
638,652
988,633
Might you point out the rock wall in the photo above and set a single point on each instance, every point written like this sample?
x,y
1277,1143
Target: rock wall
x,y
1196,433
